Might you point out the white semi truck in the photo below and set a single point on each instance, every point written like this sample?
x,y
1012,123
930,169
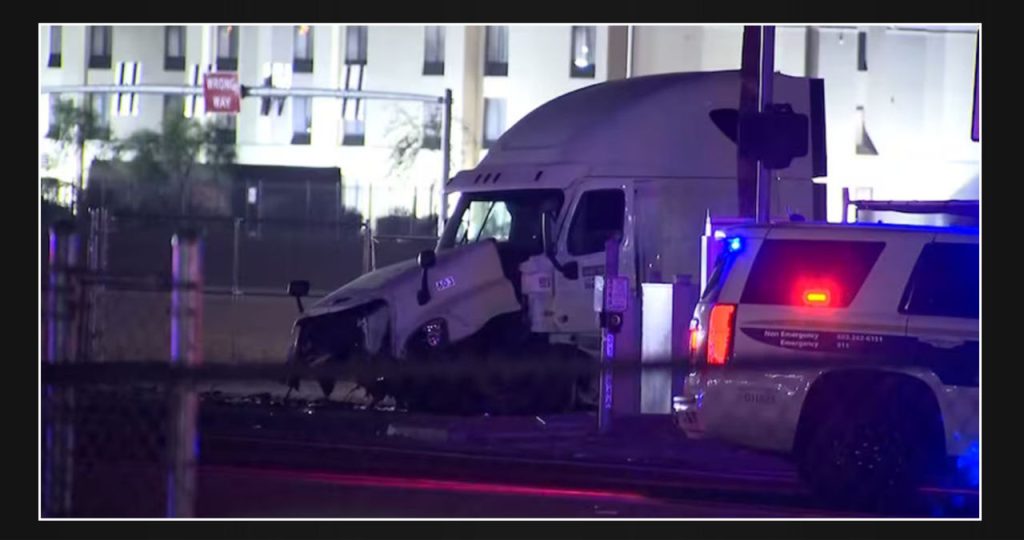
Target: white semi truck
x,y
512,275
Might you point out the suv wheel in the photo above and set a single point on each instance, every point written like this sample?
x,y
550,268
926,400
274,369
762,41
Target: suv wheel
x,y
872,457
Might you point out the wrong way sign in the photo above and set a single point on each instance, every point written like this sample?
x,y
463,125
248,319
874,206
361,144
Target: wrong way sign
x,y
222,92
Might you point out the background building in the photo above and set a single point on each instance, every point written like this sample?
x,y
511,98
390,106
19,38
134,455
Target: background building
x,y
898,99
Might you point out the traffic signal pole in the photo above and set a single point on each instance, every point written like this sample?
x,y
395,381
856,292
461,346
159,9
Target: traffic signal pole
x,y
757,75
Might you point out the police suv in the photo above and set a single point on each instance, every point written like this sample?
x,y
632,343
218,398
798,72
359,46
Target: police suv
x,y
852,348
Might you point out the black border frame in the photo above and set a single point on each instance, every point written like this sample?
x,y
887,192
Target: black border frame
x,y
999,494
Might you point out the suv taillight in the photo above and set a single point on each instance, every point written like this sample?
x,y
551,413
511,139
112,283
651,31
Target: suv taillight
x,y
694,340
721,326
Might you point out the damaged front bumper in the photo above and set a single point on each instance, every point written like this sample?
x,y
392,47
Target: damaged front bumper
x,y
337,336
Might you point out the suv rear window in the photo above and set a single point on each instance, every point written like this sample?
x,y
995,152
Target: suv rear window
x,y
723,264
944,282
786,271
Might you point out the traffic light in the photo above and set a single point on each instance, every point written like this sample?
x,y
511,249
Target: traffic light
x,y
775,136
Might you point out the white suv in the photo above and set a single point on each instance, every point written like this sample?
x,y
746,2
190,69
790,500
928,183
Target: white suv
x,y
852,348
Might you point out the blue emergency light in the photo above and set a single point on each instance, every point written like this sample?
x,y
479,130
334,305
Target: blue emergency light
x,y
734,244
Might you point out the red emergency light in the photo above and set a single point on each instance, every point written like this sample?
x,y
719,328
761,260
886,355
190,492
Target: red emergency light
x,y
817,297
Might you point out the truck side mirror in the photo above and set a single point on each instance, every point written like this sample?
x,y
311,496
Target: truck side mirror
x,y
298,288
427,259
545,232
570,270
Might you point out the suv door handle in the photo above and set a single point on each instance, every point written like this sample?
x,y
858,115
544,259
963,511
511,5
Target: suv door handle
x,y
942,343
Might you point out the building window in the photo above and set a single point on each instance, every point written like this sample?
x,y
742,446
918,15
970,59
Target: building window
x,y
353,112
174,105
433,50
99,104
128,74
54,114
302,120
862,51
55,46
432,126
227,48
583,38
174,48
99,47
302,61
355,45
496,61
494,120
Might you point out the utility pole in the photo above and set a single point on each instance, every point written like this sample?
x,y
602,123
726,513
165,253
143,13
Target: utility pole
x,y
757,74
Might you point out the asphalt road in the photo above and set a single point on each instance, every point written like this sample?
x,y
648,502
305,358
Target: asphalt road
x,y
261,457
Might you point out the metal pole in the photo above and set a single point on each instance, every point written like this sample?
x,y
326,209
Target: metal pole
x,y
60,348
235,263
247,91
746,167
767,79
187,350
338,93
367,247
446,160
846,205
611,270
122,89
372,264
92,294
684,298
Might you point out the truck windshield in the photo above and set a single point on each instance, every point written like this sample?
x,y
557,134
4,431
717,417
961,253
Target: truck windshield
x,y
512,217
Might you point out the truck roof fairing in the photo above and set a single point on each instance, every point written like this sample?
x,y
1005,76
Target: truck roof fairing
x,y
650,126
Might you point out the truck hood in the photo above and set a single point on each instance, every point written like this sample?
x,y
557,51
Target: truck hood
x,y
467,287
457,271
368,287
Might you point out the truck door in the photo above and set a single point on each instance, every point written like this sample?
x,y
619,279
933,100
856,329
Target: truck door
x,y
600,210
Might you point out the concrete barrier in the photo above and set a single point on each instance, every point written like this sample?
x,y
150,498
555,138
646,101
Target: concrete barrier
x,y
136,326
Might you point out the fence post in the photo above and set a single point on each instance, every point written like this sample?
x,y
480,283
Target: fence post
x,y
236,287
186,350
60,348
95,264
368,252
446,157
235,262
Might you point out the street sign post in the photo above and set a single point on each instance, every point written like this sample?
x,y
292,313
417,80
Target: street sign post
x,y
975,131
222,92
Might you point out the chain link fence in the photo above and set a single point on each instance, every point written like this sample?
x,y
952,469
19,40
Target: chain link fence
x,y
125,291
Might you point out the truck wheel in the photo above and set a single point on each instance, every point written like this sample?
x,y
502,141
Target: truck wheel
x,y
327,386
526,394
869,456
588,393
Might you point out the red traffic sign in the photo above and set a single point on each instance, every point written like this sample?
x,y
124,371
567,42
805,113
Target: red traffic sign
x,y
222,92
